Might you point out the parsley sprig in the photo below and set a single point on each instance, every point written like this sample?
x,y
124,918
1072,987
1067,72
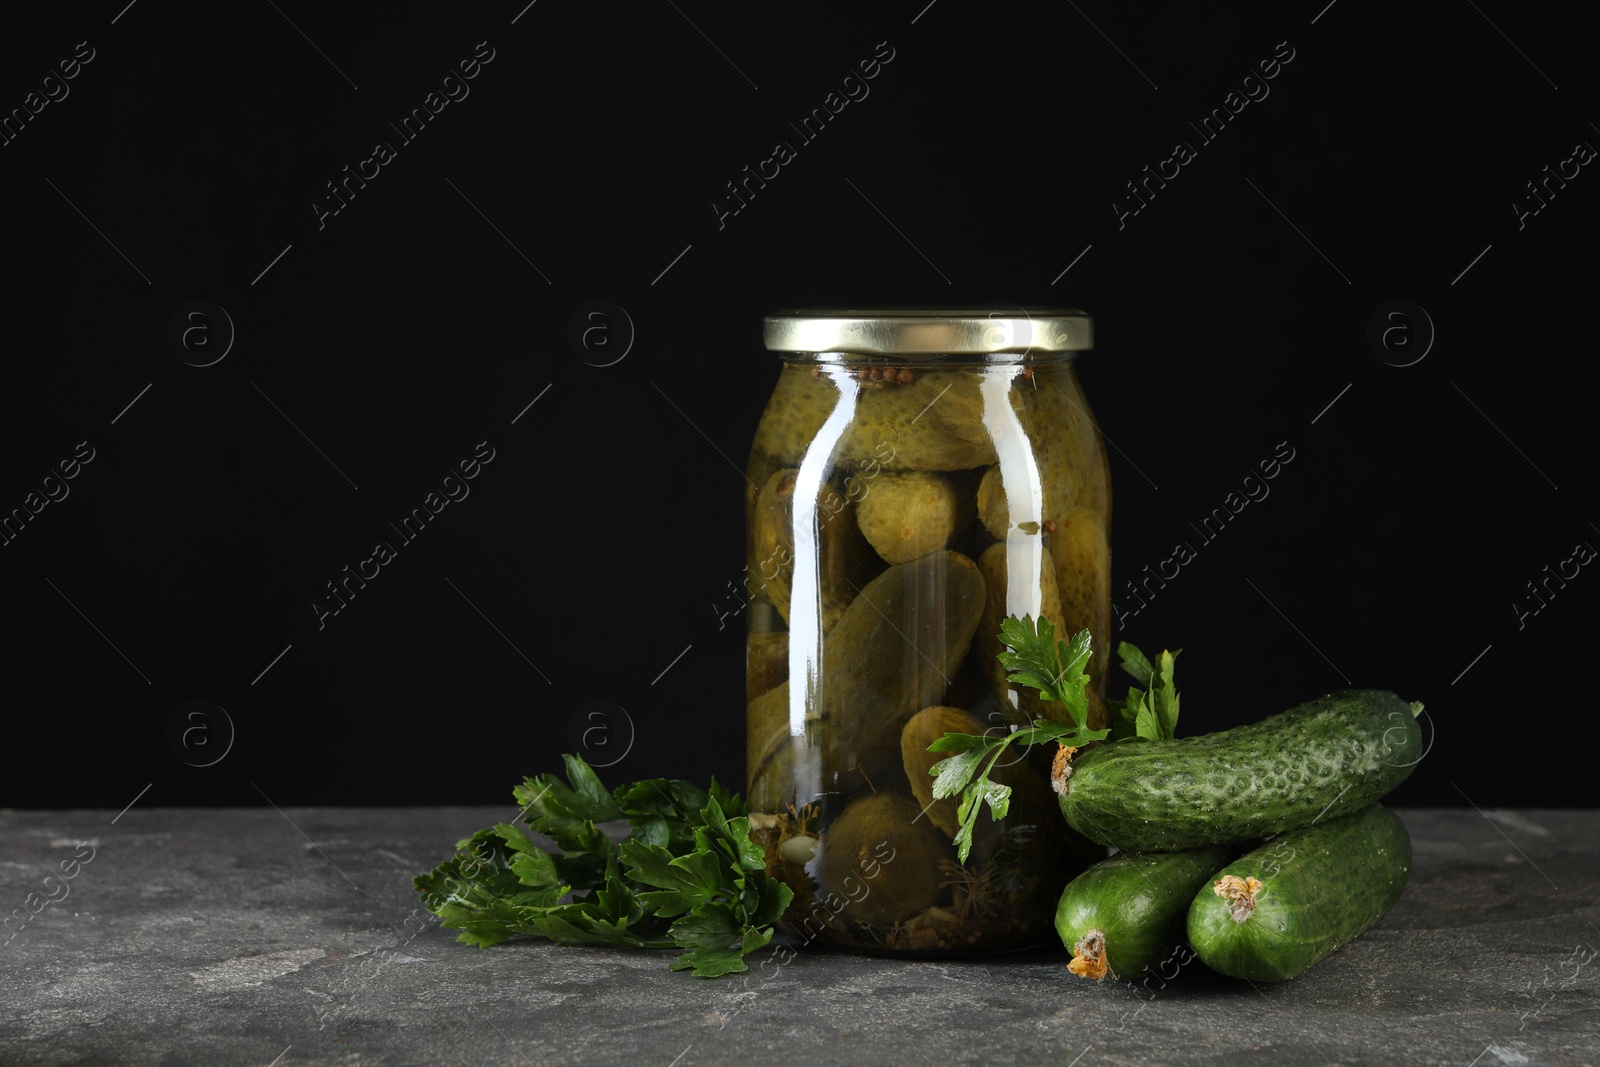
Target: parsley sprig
x,y
686,876
1035,658
1150,714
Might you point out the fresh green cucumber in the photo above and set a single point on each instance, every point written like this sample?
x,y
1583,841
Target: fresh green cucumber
x,y
1275,911
1328,757
1127,913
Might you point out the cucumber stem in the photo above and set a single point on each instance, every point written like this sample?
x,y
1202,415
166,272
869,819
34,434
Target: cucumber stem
x,y
1240,893
1089,956
1416,708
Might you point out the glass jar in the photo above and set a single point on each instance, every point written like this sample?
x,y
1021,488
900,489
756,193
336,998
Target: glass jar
x,y
917,476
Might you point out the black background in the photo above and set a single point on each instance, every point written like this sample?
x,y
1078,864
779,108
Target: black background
x,y
374,352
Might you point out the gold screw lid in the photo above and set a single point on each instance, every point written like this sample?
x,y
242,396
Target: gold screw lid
x,y
928,331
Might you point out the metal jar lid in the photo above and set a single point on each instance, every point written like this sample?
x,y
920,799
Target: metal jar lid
x,y
928,331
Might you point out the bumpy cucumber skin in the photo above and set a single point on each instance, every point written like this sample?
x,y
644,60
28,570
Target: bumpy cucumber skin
x,y
1328,757
1139,902
1322,886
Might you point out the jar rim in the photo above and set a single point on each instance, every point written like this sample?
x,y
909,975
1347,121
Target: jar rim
x,y
928,331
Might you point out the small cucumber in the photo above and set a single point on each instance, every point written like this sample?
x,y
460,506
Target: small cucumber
x,y
1328,757
1277,910
1127,913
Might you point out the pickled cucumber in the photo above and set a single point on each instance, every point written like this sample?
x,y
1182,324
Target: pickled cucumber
x,y
1064,434
771,539
883,860
932,423
766,662
992,510
758,470
910,514
1054,417
1032,800
1096,492
772,754
892,653
926,727
1083,579
846,559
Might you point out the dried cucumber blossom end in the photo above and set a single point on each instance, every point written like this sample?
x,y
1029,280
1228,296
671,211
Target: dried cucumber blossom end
x,y
1061,769
1240,893
1089,956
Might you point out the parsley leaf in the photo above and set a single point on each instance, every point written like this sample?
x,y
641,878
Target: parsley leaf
x,y
718,940
1053,667
1149,714
1035,658
684,882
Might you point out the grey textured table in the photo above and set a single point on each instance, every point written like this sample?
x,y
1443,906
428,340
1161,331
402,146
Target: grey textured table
x,y
260,937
